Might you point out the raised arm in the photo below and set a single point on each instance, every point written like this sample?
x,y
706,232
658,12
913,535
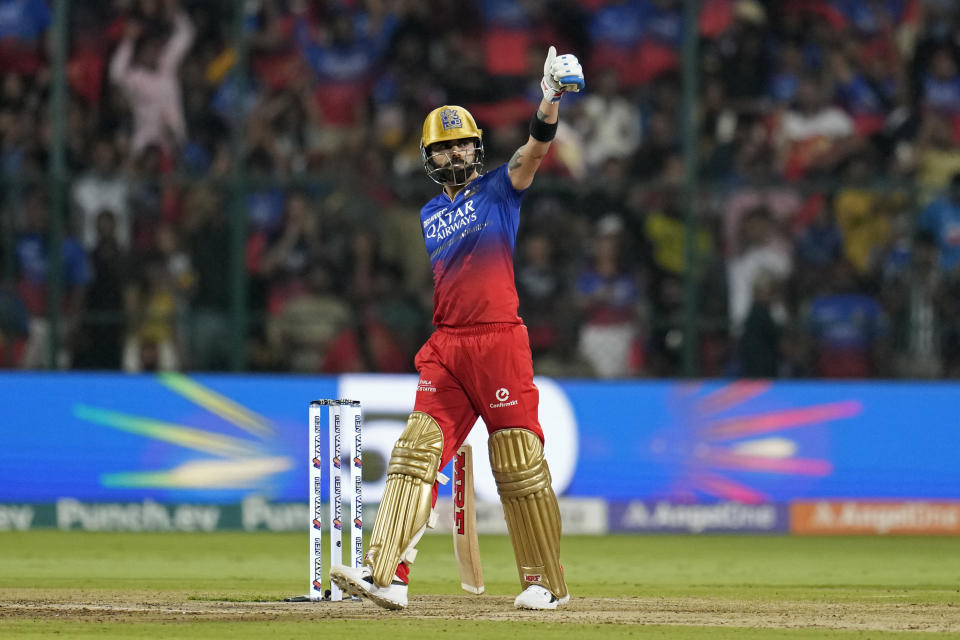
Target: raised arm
x,y
179,43
123,56
560,74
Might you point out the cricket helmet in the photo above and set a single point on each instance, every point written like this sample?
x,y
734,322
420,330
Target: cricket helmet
x,y
445,124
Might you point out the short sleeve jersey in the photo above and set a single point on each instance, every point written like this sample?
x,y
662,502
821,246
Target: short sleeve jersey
x,y
471,242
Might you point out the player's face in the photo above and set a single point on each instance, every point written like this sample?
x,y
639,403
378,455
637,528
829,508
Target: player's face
x,y
456,153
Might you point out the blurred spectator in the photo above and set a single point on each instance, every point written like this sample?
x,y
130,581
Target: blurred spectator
x,y
941,83
818,246
913,295
609,124
151,343
665,227
936,155
302,332
814,136
100,339
763,254
610,302
848,329
781,201
759,344
33,265
863,215
209,250
941,218
22,26
145,67
278,262
366,345
13,327
103,188
542,291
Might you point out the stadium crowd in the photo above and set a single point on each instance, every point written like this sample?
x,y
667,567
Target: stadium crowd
x,y
827,218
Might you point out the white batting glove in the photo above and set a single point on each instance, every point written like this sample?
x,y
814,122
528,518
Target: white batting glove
x,y
560,74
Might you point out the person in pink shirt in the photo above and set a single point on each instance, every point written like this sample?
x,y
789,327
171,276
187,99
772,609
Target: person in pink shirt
x,y
147,74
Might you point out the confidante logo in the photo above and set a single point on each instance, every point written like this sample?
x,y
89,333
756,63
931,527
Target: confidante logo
x,y
502,395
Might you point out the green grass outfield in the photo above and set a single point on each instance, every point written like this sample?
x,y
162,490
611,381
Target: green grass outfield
x,y
78,585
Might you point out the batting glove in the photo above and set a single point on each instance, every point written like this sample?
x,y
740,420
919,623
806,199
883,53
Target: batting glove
x,y
560,74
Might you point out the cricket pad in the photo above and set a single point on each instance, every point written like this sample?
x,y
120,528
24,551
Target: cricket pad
x,y
408,497
529,507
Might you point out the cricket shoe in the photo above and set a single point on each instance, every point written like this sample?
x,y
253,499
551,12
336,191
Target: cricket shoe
x,y
537,597
359,582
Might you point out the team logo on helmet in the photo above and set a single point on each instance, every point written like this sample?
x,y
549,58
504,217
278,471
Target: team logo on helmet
x,y
450,119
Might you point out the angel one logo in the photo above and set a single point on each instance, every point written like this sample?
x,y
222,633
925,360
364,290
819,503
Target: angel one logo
x,y
450,119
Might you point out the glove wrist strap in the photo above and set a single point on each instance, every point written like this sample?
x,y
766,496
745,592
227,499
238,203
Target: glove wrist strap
x,y
550,94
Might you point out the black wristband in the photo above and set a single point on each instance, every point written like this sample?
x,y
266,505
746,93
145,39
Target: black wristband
x,y
542,131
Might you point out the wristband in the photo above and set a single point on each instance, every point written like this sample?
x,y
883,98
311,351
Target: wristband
x,y
542,131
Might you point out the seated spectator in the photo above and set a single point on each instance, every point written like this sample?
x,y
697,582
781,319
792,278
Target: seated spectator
x,y
33,266
609,299
103,187
22,27
785,79
759,344
279,260
207,237
936,154
366,346
818,246
609,123
151,343
847,328
866,90
303,331
814,137
941,83
13,327
913,295
764,254
101,333
541,289
863,215
762,190
665,228
941,218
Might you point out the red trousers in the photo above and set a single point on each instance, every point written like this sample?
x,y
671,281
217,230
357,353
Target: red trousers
x,y
469,372
485,371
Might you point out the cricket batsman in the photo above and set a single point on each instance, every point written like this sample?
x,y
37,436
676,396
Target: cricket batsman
x,y
476,363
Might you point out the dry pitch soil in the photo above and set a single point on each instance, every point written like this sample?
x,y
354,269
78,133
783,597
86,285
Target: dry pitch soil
x,y
153,607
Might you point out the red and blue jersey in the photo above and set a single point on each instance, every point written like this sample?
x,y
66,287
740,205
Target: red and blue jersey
x,y
471,240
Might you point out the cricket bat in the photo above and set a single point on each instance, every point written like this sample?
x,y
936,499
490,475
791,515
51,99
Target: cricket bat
x,y
465,545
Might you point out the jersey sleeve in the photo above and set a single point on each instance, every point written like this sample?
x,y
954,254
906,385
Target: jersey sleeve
x,y
500,182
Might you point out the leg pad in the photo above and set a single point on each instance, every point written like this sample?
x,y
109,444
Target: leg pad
x,y
408,497
529,507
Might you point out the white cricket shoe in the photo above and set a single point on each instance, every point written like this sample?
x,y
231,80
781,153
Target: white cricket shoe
x,y
359,582
537,597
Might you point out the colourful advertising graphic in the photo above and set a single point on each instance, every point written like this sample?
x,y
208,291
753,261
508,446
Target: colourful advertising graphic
x,y
858,517
221,439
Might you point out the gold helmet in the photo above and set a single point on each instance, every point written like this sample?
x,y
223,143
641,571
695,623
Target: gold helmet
x,y
445,124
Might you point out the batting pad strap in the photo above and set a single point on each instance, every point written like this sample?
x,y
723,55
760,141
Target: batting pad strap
x,y
529,507
407,498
